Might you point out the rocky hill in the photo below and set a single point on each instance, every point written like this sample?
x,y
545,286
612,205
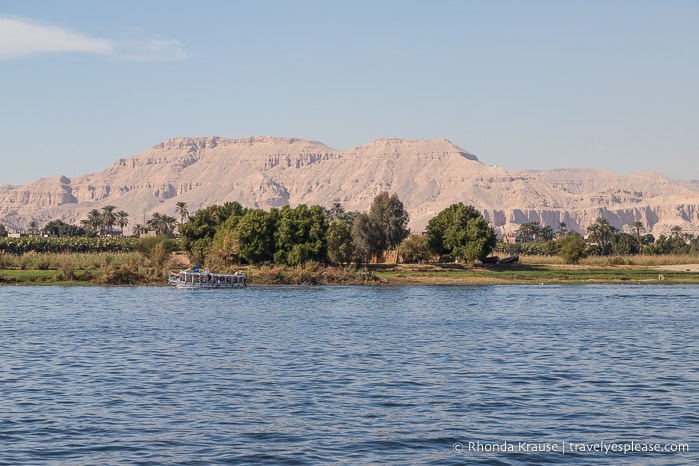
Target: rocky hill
x,y
428,175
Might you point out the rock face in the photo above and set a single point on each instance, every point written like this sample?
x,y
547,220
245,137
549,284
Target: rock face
x,y
428,175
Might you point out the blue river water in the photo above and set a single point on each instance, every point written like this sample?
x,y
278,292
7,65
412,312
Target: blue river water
x,y
506,375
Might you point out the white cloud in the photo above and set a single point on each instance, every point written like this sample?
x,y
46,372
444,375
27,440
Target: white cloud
x,y
22,37
19,38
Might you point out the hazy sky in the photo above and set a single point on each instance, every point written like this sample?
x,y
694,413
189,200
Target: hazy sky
x,y
522,84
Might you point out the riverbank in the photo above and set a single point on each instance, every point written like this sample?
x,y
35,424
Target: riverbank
x,y
387,275
528,274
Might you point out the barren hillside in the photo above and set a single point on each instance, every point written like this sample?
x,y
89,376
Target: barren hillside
x,y
428,175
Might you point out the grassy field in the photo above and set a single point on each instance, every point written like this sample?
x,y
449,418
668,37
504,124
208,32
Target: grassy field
x,y
133,269
528,274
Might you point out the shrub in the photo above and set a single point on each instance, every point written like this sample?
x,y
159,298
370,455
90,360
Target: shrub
x,y
571,247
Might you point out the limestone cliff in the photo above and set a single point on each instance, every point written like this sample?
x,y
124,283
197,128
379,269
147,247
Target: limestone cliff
x,y
428,175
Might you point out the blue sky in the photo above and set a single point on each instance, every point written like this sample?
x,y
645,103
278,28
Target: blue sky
x,y
522,84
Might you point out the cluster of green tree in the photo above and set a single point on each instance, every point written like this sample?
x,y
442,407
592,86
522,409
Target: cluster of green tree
x,y
461,232
603,239
67,244
232,233
293,236
102,223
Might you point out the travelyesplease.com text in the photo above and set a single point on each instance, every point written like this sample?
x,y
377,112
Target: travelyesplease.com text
x,y
564,447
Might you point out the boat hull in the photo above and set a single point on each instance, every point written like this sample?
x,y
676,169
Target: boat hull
x,y
206,280
196,286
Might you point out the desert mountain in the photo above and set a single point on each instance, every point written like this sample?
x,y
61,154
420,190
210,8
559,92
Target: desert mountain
x,y
428,175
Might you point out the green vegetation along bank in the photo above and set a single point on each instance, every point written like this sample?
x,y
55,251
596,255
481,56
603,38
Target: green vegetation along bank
x,y
137,269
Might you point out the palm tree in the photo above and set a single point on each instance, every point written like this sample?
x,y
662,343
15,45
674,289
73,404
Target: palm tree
x,y
122,219
639,226
167,224
676,230
530,231
601,233
153,223
181,209
162,224
139,229
562,229
33,228
108,218
336,212
547,233
94,221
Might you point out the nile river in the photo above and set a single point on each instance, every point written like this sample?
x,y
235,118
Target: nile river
x,y
350,375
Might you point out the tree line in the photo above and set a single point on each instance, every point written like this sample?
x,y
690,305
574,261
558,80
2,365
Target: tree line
x,y
102,224
292,236
603,239
233,234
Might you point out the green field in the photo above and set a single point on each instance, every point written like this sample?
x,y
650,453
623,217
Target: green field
x,y
376,274
522,274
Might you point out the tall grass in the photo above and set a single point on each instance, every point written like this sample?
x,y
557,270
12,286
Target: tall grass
x,y
310,273
58,261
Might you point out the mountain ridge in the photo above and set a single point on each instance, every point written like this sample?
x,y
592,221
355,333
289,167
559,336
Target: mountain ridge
x,y
428,175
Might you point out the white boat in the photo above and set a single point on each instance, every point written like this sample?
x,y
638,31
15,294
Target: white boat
x,y
204,279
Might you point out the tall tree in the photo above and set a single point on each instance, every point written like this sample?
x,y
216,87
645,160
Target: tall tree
x,y
340,245
162,224
530,231
108,218
602,233
462,232
384,227
638,226
365,237
547,233
33,228
139,229
181,209
624,244
122,219
300,235
390,218
200,229
562,229
93,221
336,212
256,235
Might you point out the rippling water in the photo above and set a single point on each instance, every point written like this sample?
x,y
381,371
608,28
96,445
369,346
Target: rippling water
x,y
323,375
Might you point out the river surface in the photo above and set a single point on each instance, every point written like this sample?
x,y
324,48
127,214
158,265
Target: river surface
x,y
506,375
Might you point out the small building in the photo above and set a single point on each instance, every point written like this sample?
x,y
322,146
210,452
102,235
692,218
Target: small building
x,y
23,234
